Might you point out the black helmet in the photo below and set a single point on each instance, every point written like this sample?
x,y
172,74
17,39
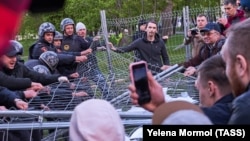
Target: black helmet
x,y
46,27
18,46
41,69
66,21
50,58
58,36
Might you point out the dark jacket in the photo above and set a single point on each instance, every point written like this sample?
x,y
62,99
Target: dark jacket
x,y
7,97
221,111
36,49
205,52
65,58
21,71
154,53
20,83
240,108
74,43
66,62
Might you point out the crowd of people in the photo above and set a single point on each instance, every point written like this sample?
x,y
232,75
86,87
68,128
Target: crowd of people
x,y
220,62
222,71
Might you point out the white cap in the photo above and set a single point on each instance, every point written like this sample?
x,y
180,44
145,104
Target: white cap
x,y
96,120
79,26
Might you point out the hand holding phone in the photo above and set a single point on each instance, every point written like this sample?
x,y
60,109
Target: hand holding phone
x,y
138,76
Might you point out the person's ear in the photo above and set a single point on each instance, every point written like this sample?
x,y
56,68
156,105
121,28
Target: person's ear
x,y
211,88
241,65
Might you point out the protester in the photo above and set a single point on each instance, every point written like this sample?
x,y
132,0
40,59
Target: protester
x,y
233,15
151,49
213,42
235,53
194,36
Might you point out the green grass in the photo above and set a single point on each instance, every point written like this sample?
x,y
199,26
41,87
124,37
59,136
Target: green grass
x,y
175,56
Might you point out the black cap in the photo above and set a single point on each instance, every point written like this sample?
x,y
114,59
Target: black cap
x,y
211,26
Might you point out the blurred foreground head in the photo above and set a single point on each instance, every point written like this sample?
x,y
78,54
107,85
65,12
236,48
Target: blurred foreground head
x,y
14,11
96,120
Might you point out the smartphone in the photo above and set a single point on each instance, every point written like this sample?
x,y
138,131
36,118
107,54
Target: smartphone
x,y
138,76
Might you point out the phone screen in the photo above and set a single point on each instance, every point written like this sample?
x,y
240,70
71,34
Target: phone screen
x,y
141,83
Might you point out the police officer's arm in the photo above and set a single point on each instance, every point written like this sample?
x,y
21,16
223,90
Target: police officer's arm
x,y
69,59
70,53
8,98
20,94
66,59
83,44
39,77
27,94
14,83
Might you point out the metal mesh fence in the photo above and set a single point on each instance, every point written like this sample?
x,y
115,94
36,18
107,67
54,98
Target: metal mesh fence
x,y
49,113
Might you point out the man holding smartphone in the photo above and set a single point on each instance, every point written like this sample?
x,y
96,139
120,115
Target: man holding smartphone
x,y
151,48
214,91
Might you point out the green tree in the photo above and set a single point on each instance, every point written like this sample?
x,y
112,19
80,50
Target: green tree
x,y
88,11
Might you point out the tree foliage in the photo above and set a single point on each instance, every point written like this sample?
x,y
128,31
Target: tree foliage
x,y
88,11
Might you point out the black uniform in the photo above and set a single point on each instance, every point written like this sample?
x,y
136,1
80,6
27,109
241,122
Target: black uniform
x,y
21,71
72,43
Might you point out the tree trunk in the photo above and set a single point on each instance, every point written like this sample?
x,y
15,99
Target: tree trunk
x,y
166,19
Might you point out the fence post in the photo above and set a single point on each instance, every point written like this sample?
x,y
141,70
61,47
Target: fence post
x,y
186,28
105,35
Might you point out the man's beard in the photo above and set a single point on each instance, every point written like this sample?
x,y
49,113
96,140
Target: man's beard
x,y
236,84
